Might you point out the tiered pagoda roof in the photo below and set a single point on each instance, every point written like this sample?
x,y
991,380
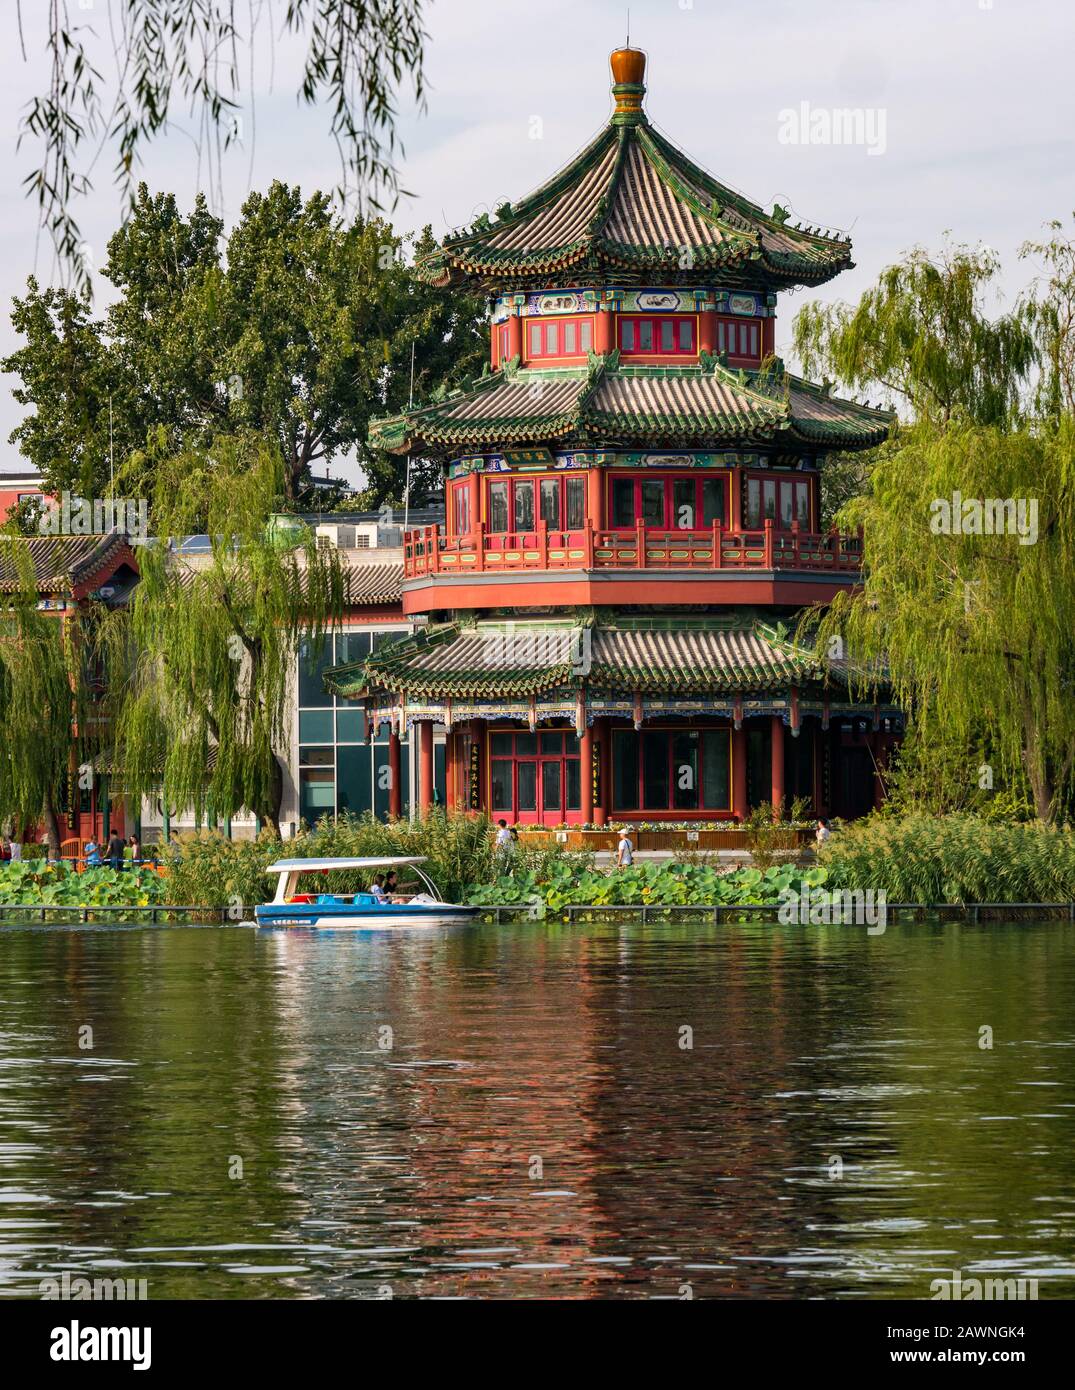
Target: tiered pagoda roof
x,y
632,206
606,400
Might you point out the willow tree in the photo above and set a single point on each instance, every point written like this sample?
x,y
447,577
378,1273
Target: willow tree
x,y
969,588
39,695
203,662
923,337
1049,309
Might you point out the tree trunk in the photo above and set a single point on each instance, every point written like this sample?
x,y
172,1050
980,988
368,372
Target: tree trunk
x,y
52,827
270,814
1041,786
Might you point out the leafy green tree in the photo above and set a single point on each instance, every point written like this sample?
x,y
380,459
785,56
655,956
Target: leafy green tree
x,y
974,629
66,373
445,336
24,517
847,475
922,337
295,332
202,662
40,694
927,774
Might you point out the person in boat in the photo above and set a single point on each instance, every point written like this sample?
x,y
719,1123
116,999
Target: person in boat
x,y
377,889
391,885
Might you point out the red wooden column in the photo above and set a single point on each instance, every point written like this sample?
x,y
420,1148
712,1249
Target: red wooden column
x,y
707,331
515,336
602,332
586,773
395,779
777,741
604,755
739,774
425,766
593,498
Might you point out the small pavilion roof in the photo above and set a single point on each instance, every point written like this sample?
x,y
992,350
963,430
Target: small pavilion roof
x,y
632,204
604,401
66,566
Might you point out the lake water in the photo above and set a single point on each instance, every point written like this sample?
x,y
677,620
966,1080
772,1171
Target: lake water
x,y
535,1123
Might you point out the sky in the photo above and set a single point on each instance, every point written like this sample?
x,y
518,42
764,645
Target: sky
x,y
965,128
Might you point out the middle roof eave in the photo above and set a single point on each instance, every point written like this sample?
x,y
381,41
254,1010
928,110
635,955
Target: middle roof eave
x,y
706,402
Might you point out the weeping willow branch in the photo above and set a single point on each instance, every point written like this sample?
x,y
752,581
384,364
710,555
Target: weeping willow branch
x,y
181,57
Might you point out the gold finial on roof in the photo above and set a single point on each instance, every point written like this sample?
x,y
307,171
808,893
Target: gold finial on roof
x,y
628,85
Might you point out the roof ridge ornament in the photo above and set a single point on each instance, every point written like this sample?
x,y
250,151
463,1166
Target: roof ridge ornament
x,y
628,85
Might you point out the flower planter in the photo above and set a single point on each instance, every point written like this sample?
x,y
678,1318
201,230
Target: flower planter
x,y
669,841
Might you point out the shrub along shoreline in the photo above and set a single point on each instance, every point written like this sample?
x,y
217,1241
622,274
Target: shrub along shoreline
x,y
952,859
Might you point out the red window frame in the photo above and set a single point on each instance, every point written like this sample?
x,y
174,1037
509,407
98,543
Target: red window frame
x,y
779,500
671,517
746,346
569,752
462,520
684,328
669,807
566,482
539,333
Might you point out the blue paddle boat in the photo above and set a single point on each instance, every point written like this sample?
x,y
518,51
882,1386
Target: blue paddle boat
x,y
363,910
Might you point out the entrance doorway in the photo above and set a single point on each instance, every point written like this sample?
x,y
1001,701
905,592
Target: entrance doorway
x,y
534,778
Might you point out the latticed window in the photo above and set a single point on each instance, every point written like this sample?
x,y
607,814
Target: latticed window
x,y
779,500
668,336
559,337
671,769
669,503
739,338
561,503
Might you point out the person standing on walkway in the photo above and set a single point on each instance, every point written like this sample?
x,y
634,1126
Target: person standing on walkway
x,y
115,850
625,851
505,846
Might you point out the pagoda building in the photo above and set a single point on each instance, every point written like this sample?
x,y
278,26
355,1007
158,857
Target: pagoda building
x,y
632,512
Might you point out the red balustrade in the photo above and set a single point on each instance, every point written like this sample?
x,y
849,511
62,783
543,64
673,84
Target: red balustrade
x,y
427,551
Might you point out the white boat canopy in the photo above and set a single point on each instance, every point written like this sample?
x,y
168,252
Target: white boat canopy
x,y
298,866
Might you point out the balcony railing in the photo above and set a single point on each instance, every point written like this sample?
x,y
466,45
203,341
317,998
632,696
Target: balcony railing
x,y
427,551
